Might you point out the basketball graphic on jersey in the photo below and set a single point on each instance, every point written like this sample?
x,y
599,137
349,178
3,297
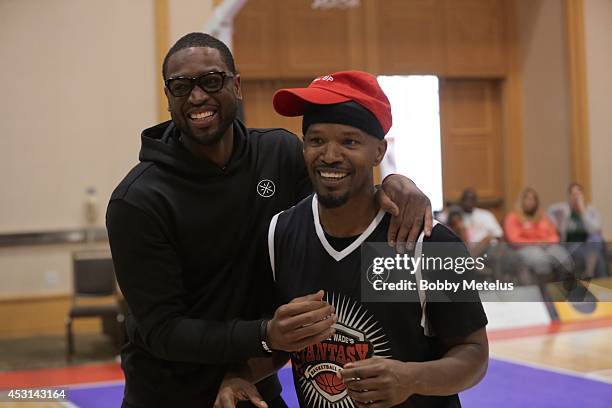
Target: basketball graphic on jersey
x,y
358,336
329,383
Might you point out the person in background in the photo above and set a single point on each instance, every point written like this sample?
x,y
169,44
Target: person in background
x,y
454,221
579,225
528,224
481,225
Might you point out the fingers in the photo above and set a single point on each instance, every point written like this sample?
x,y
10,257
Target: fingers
x,y
386,203
402,235
310,318
225,400
365,397
314,339
409,225
301,309
300,324
313,297
373,404
394,226
315,329
297,315
348,375
415,231
360,385
258,402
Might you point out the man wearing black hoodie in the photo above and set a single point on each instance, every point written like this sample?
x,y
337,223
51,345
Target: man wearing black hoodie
x,y
182,226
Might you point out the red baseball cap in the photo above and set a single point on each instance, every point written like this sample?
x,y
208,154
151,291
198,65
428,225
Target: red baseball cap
x,y
358,86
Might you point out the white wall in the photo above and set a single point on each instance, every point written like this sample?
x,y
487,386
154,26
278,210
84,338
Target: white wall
x,y
598,33
78,79
80,82
186,16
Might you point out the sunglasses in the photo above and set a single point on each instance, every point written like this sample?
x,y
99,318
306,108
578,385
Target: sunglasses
x,y
210,82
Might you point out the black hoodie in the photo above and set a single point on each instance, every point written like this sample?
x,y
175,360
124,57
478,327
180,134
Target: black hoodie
x,y
184,238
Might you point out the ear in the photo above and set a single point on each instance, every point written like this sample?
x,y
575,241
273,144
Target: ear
x,y
381,149
237,87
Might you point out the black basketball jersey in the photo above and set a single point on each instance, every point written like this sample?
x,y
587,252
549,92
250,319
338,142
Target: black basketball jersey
x,y
303,262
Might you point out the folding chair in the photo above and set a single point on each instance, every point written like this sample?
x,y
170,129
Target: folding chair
x,y
93,278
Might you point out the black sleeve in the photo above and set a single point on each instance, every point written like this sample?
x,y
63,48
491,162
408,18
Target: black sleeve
x,y
150,277
267,290
463,313
303,184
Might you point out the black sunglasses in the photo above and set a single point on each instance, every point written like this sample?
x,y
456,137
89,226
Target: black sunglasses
x,y
210,82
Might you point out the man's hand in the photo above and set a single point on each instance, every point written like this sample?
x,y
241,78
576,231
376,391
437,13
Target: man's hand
x,y
234,389
400,197
379,382
304,321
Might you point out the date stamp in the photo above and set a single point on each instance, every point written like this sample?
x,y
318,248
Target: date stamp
x,y
33,394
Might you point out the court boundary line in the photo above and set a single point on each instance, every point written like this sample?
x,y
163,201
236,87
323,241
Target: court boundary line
x,y
552,328
94,384
557,370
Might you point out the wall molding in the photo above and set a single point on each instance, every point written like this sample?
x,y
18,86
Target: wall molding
x,y
579,108
39,315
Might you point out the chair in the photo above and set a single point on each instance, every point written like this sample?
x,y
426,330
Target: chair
x,y
93,279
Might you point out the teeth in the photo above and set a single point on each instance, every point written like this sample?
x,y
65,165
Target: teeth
x,y
334,175
201,115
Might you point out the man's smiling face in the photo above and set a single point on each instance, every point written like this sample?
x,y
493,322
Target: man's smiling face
x,y
203,117
340,160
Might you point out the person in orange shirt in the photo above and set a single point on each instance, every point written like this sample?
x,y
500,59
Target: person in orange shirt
x,y
534,236
528,224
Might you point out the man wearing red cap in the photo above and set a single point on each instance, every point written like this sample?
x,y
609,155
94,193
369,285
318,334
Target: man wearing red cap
x,y
381,354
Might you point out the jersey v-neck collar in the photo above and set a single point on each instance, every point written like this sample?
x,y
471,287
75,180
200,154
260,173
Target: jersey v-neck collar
x,y
340,255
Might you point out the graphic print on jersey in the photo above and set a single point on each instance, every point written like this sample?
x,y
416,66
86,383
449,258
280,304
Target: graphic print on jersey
x,y
358,336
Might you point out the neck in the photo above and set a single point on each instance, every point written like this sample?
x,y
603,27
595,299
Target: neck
x,y
351,218
218,153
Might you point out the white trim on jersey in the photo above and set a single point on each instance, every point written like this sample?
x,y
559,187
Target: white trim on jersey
x,y
418,250
338,256
271,232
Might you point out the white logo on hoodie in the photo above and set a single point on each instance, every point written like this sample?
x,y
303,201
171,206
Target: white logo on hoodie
x,y
266,188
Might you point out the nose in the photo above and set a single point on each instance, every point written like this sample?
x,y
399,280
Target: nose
x,y
197,96
331,153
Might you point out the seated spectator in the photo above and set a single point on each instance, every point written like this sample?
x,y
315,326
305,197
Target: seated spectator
x,y
478,228
454,221
579,225
529,225
480,225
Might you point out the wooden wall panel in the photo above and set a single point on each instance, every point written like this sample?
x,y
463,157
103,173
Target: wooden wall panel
x,y
40,315
258,110
475,38
470,116
317,42
288,39
404,36
255,40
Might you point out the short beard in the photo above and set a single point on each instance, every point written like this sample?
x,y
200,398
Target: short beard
x,y
331,201
214,138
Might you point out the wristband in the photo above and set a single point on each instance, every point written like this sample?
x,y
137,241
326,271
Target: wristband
x,y
263,336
